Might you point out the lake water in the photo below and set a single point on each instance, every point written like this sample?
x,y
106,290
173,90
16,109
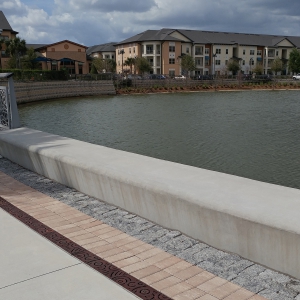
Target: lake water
x,y
254,134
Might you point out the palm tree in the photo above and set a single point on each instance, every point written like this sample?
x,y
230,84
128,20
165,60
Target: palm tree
x,y
130,62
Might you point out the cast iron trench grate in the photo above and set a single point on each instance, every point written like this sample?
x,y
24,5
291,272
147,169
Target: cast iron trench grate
x,y
130,283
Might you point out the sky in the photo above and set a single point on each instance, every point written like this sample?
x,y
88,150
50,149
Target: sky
x,y
93,22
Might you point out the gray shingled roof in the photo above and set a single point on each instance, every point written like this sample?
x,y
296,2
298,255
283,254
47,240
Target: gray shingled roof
x,y
3,22
4,25
108,47
240,38
151,35
35,46
212,37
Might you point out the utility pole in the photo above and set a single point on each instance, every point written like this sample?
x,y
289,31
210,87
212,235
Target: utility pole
x,y
122,53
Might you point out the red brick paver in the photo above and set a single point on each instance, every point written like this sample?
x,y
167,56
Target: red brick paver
x,y
173,276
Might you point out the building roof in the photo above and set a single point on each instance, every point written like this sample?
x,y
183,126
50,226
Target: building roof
x,y
151,35
108,47
35,46
212,37
4,25
64,41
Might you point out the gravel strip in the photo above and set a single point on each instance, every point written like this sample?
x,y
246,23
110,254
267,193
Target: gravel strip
x,y
253,277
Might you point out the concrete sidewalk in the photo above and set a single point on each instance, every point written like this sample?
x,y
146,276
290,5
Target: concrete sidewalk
x,y
33,268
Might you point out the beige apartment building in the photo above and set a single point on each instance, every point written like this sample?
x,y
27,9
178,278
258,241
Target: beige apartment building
x,y
211,51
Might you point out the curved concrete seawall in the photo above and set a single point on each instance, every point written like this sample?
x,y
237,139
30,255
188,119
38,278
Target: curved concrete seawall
x,y
35,91
256,220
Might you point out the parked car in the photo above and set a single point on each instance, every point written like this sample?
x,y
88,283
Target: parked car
x,y
204,77
156,76
296,77
179,77
134,77
265,77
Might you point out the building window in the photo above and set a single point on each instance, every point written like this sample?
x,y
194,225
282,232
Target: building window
x,y
226,51
112,56
199,61
251,52
226,62
171,61
171,48
252,62
107,56
150,60
218,62
244,51
199,50
129,50
207,63
206,50
133,49
218,51
277,53
149,49
259,52
187,50
4,37
243,62
157,49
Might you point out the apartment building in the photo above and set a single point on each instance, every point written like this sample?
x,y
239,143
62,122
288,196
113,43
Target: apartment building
x,y
212,51
105,51
6,33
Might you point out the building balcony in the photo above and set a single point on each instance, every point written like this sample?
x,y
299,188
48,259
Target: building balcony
x,y
198,53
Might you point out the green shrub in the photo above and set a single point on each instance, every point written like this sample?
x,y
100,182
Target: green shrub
x,y
37,75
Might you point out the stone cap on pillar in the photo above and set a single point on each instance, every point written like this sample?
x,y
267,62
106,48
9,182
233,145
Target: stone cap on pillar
x,y
6,75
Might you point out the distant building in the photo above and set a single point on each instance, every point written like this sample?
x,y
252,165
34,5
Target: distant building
x,y
63,54
6,33
105,51
211,51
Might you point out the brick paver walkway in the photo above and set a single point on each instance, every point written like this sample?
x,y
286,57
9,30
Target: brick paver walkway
x,y
164,272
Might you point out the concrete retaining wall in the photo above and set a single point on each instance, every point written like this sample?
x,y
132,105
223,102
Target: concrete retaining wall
x,y
256,220
35,91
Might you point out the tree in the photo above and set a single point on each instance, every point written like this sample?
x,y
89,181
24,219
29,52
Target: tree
x,y
111,65
93,69
233,66
276,65
187,64
1,47
107,64
28,61
294,61
258,69
143,65
130,62
15,48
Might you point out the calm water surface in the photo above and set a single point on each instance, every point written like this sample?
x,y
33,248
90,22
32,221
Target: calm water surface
x,y
250,134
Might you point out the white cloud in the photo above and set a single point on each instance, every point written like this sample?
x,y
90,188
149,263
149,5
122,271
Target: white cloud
x,y
97,21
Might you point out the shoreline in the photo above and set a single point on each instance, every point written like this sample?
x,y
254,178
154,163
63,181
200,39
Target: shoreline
x,y
138,91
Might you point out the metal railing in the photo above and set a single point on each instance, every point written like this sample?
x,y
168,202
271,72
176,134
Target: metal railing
x,y
9,117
